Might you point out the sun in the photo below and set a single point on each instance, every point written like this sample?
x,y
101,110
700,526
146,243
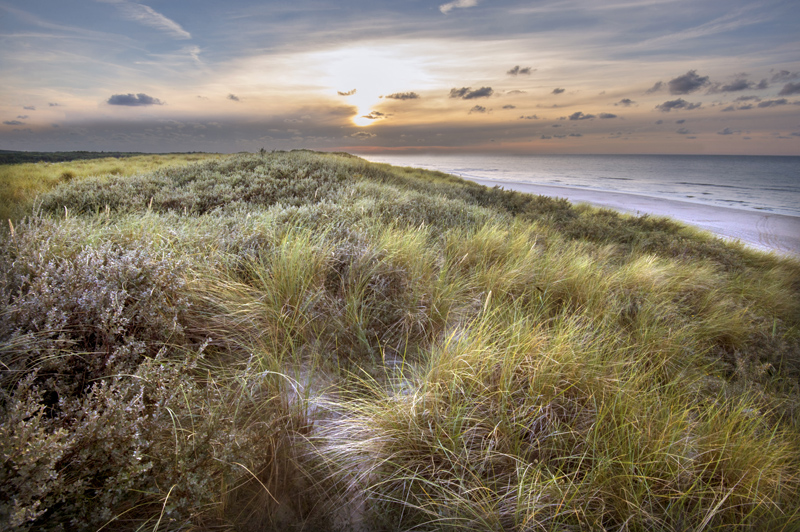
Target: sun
x,y
361,120
373,71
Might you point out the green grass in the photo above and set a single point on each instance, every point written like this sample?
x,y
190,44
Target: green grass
x,y
298,340
21,183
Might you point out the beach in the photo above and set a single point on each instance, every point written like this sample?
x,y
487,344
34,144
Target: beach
x,y
762,230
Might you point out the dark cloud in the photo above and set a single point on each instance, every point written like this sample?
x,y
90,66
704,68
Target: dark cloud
x,y
607,115
54,104
625,102
773,103
529,117
557,91
578,115
745,107
762,84
133,100
546,137
687,83
401,96
363,135
477,109
683,131
466,93
790,88
655,88
14,123
374,115
22,117
785,75
659,122
517,70
516,92
575,134
680,103
726,131
509,106
348,93
29,107
747,98
740,84
681,121
233,97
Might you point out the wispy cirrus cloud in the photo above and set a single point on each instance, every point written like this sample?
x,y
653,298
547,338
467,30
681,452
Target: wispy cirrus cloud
x,y
446,8
149,17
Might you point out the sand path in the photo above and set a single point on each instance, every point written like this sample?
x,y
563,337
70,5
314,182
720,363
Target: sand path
x,y
762,230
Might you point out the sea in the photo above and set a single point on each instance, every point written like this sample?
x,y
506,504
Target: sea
x,y
754,183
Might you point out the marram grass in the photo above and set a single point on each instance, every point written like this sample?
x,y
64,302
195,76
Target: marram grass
x,y
305,341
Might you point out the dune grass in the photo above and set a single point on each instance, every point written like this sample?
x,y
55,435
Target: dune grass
x,y
292,341
21,183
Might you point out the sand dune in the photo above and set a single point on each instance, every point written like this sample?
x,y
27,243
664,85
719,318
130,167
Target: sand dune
x,y
766,231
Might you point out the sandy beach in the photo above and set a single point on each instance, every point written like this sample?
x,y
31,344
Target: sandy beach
x,y
765,231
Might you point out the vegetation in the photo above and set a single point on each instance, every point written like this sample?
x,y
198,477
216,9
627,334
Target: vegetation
x,y
287,341
21,182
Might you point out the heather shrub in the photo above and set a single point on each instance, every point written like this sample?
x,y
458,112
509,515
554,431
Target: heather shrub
x,y
80,314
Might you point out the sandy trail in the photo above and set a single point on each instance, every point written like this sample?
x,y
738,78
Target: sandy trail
x,y
762,230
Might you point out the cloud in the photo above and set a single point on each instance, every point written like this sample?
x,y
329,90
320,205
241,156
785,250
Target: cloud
x,y
466,93
477,109
348,93
659,122
22,117
790,88
546,137
773,103
625,102
659,85
233,98
578,115
576,134
747,98
149,17
683,131
785,75
401,96
446,8
529,117
14,123
133,100
517,70
374,115
29,107
509,106
740,84
363,135
680,103
516,92
687,83
607,115
557,91
726,131
54,104
681,121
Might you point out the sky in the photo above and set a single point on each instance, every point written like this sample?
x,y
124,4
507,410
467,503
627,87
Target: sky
x,y
406,76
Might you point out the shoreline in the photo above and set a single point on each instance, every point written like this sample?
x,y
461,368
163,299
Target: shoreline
x,y
764,231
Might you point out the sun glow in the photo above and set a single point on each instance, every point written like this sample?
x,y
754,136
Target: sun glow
x,y
372,72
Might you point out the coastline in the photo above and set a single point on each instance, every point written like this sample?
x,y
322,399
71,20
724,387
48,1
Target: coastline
x,y
765,231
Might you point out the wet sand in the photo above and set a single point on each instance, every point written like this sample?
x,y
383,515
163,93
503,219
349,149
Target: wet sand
x,y
765,231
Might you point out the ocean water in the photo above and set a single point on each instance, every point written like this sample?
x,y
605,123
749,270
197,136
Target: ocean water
x,y
756,183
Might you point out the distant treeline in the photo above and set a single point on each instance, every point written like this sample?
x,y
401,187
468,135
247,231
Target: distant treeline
x,y
17,157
